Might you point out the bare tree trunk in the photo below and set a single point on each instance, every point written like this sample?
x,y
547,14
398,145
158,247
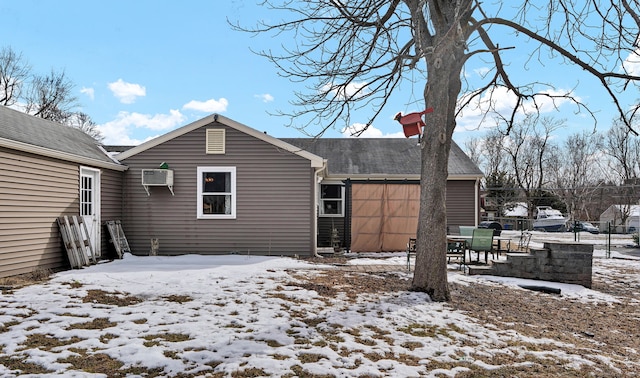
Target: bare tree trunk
x,y
431,266
441,93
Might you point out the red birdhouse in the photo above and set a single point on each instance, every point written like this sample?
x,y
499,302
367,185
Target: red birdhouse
x,y
412,123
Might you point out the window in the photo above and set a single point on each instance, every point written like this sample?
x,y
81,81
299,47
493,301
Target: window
x,y
216,192
332,200
86,195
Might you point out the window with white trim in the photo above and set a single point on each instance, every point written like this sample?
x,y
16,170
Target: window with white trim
x,y
332,200
216,192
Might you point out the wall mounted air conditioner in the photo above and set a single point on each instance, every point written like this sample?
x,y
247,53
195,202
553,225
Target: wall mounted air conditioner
x,y
157,177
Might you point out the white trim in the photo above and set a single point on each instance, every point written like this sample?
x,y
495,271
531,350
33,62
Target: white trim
x,y
316,161
315,188
341,199
95,174
363,177
476,202
199,206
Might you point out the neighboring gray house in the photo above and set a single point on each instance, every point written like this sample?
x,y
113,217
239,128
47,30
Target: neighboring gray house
x,y
48,170
623,218
370,191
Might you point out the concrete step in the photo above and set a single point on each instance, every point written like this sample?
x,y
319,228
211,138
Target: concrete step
x,y
480,269
501,266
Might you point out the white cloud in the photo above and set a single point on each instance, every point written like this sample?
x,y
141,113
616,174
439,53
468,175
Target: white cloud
x,y
119,130
265,97
348,90
89,92
482,112
370,132
127,92
632,64
482,71
209,106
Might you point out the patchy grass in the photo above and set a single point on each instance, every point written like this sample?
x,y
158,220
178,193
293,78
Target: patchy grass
x,y
19,364
5,326
46,342
298,371
412,345
273,343
157,339
110,298
98,363
311,326
98,323
108,336
250,372
306,358
177,298
421,330
37,276
74,284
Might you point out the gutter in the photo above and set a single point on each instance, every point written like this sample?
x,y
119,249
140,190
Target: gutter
x,y
316,181
476,200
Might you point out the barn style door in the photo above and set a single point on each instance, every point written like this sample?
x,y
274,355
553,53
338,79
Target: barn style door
x,y
384,216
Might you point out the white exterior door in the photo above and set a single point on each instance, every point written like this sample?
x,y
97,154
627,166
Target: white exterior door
x,y
90,205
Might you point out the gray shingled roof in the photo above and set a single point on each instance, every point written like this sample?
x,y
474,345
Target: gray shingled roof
x,y
379,156
21,127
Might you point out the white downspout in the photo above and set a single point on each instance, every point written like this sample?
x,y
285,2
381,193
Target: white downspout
x,y
315,207
476,200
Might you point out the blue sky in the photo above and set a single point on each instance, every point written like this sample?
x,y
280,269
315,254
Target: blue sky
x,y
143,68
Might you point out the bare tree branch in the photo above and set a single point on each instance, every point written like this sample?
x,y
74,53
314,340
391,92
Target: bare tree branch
x,y
351,57
13,73
50,97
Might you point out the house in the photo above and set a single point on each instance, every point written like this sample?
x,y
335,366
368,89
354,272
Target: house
x,y
50,170
214,186
516,216
233,190
370,192
622,218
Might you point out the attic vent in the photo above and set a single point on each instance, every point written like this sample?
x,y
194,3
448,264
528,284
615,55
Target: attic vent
x,y
215,141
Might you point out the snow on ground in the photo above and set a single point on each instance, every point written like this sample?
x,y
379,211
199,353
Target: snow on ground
x,y
199,315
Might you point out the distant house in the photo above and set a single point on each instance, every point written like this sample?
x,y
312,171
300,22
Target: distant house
x,y
49,170
623,218
214,186
370,191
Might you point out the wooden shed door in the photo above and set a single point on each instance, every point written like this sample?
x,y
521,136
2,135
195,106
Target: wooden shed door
x,y
90,204
384,216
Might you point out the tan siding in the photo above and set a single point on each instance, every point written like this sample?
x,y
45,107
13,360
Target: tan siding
x,y
274,204
34,191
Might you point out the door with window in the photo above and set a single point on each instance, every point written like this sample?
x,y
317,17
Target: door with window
x,y
90,205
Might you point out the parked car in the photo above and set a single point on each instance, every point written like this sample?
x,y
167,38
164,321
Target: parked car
x,y
583,226
495,226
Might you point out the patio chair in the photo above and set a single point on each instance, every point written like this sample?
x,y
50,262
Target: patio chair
x,y
466,230
523,242
456,249
482,241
